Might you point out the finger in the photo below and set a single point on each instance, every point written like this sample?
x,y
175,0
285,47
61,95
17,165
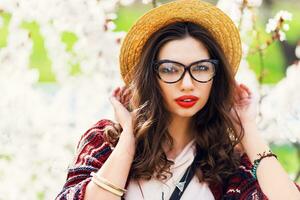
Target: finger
x,y
127,92
118,95
118,108
238,94
126,95
236,97
121,95
244,87
116,90
124,100
247,89
236,87
123,89
244,94
127,99
115,101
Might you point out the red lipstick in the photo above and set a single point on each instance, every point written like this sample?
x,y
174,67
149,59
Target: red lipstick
x,y
187,101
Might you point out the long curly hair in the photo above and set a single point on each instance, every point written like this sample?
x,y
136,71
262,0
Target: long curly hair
x,y
216,133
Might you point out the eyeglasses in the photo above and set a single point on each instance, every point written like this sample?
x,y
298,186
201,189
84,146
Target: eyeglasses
x,y
171,71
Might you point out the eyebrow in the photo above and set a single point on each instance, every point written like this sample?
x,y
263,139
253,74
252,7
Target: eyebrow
x,y
168,60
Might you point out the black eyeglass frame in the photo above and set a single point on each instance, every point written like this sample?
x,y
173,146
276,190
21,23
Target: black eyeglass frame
x,y
156,64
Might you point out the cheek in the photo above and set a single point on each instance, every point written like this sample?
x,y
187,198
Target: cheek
x,y
166,93
167,96
163,91
206,92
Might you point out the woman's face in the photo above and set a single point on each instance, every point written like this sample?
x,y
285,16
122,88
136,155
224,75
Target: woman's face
x,y
185,51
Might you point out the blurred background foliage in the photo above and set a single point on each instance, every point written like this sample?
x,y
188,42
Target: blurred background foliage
x,y
277,56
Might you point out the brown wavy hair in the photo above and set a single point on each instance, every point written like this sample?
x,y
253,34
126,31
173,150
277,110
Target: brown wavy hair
x,y
216,134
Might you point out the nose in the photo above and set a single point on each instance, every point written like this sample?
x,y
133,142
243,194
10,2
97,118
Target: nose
x,y
187,82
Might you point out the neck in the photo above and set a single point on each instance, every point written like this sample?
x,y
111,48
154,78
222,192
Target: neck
x,y
181,132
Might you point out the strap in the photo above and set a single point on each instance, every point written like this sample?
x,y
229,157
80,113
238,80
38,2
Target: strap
x,y
187,177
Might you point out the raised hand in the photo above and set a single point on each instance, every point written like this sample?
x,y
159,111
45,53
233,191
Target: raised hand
x,y
120,101
245,104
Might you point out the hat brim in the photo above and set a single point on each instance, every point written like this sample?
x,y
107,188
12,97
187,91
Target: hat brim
x,y
220,26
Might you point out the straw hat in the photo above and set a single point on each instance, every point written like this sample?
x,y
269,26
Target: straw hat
x,y
221,27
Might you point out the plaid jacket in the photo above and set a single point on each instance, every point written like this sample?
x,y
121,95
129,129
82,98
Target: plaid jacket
x,y
92,152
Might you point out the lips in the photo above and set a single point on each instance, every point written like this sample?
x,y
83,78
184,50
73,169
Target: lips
x,y
187,101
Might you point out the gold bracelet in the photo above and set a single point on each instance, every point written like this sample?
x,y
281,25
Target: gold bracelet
x,y
106,187
105,182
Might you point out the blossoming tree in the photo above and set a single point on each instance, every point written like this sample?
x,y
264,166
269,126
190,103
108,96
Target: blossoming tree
x,y
45,110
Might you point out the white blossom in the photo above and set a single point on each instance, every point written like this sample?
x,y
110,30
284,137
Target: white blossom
x,y
112,16
281,109
111,25
41,123
282,36
242,15
271,25
126,2
273,22
231,8
297,51
254,3
285,15
146,1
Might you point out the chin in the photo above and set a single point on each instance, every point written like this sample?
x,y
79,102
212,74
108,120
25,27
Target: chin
x,y
186,113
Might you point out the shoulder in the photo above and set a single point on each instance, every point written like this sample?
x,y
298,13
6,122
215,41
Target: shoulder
x,y
241,184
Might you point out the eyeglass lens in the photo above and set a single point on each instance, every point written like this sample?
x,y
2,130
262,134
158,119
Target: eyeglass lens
x,y
172,72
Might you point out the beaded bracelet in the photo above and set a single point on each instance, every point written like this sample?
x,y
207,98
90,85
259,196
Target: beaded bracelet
x,y
257,161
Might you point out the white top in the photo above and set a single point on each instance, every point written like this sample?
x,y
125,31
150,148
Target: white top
x,y
153,189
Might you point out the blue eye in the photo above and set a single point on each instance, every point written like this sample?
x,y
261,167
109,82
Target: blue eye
x,y
168,69
201,68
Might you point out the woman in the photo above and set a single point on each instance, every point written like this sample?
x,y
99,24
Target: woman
x,y
185,129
